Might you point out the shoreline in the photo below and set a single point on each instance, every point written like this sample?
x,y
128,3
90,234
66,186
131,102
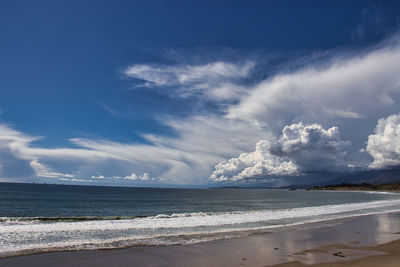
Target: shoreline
x,y
233,234
355,238
29,242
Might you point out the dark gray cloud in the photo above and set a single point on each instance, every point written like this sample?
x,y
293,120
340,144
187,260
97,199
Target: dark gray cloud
x,y
313,148
300,149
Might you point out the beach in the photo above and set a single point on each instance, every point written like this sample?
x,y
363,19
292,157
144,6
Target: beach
x,y
199,133
369,240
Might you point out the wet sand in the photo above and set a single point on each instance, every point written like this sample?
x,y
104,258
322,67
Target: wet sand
x,y
370,240
390,256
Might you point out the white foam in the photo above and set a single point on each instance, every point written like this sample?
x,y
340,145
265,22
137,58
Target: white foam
x,y
36,235
186,220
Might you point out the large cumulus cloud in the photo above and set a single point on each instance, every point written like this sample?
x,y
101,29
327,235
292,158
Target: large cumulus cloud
x,y
350,85
312,147
384,144
300,149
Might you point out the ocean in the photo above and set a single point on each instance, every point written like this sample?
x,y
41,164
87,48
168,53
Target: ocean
x,y
37,217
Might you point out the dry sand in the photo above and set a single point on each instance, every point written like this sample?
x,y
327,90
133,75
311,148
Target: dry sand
x,y
371,240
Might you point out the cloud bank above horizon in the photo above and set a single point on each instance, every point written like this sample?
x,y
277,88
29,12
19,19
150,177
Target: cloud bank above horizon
x,y
332,116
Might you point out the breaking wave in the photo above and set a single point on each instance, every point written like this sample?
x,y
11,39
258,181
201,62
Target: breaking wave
x,y
24,235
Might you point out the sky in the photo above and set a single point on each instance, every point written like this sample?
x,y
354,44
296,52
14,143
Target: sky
x,y
197,93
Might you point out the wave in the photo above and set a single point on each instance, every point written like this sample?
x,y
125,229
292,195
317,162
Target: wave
x,y
21,220
67,218
173,239
55,219
183,220
35,234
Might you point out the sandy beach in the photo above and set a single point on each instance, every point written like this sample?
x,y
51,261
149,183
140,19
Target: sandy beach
x,y
199,133
371,240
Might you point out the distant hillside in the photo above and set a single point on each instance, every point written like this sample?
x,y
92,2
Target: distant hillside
x,y
373,177
359,187
370,177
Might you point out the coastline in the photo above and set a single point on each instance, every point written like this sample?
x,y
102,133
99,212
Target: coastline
x,y
390,188
341,241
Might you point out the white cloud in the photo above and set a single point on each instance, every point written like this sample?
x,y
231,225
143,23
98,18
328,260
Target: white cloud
x,y
98,177
217,80
254,164
43,171
144,177
203,141
342,113
14,163
300,149
312,148
384,144
352,86
75,180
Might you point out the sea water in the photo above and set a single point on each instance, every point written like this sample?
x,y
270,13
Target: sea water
x,y
37,218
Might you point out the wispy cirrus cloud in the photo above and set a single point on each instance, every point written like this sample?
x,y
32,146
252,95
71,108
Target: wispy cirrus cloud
x,y
13,161
188,159
16,159
184,160
216,80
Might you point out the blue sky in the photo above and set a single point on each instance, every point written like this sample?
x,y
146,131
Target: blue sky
x,y
196,93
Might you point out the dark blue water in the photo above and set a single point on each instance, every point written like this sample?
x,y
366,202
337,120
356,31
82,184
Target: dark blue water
x,y
43,200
